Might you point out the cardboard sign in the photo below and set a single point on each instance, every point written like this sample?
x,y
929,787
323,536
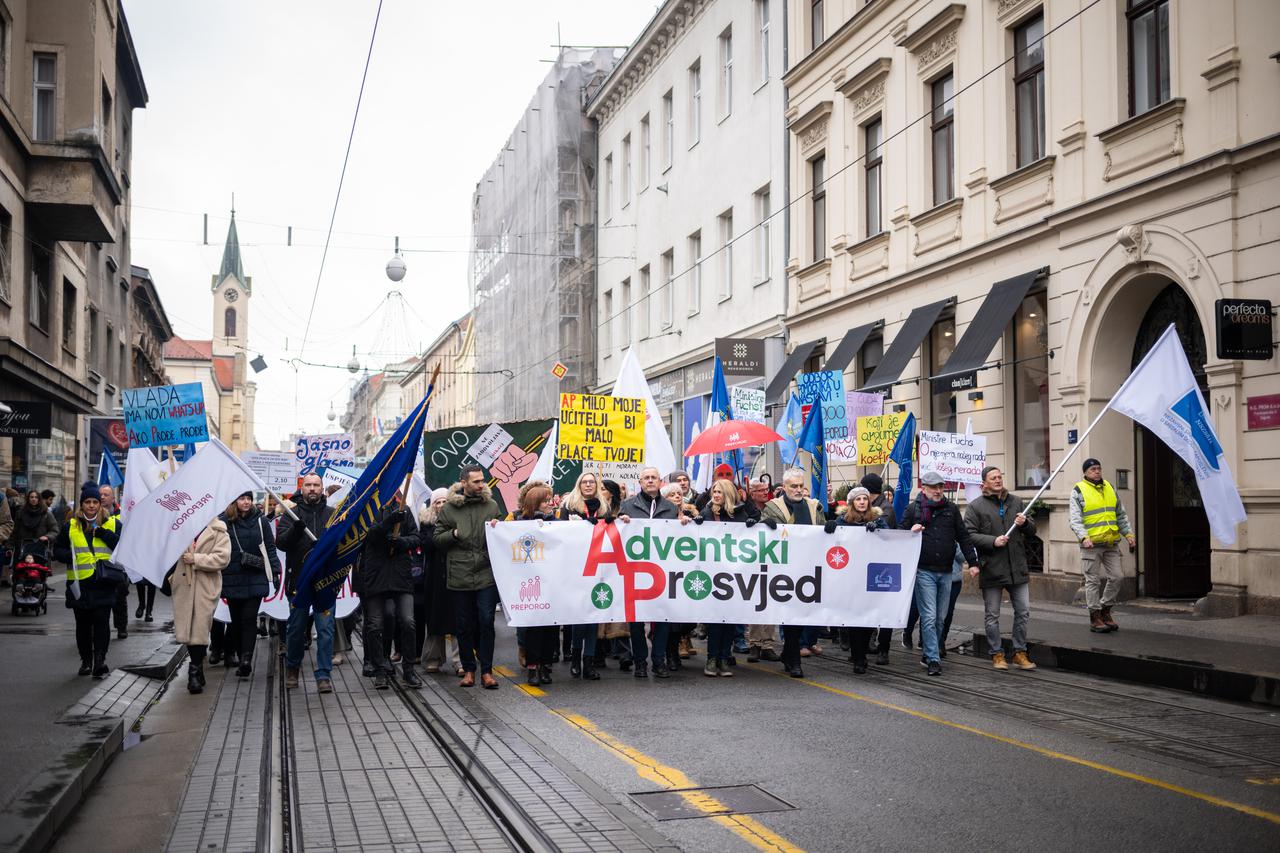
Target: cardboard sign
x,y
316,453
747,404
599,428
165,415
489,445
277,469
876,435
827,387
857,404
958,458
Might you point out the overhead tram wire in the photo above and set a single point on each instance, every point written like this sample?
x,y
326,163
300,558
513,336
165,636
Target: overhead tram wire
x,y
342,176
854,162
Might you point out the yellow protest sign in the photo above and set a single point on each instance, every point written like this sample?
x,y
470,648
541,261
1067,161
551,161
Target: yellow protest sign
x,y
876,435
600,428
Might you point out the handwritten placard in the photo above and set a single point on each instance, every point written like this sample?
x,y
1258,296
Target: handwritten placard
x,y
599,428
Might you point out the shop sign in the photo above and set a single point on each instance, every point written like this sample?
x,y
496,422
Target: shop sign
x,y
668,388
1264,411
27,419
741,356
958,382
697,378
1244,328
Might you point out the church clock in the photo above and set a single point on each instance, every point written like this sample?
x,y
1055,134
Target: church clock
x,y
231,294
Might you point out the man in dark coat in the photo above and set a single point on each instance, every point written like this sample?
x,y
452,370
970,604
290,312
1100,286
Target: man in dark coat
x,y
1004,562
387,576
313,515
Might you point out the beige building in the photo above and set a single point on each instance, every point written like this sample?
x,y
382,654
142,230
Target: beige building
x,y
69,83
455,394
1006,202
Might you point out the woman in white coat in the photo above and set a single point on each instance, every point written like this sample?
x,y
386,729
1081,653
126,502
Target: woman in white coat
x,y
197,586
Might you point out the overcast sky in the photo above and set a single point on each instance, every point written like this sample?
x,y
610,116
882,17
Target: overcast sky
x,y
255,98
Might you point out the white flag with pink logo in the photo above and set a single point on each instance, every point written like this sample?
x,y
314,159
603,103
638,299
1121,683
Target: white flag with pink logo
x,y
171,516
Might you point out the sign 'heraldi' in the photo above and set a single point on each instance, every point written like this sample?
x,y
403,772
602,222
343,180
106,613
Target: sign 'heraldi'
x,y
569,573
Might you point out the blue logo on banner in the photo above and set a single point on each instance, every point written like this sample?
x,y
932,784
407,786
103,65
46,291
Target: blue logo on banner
x,y
884,577
1191,411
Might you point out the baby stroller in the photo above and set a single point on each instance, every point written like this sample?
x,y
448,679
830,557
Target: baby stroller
x,y
31,578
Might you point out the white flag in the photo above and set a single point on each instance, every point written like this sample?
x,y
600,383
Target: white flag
x,y
1162,395
971,491
142,473
166,521
657,444
545,470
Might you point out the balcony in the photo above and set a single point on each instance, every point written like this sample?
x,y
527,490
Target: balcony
x,y
71,193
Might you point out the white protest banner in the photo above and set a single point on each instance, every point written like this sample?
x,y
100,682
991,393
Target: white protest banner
x,y
318,452
276,605
566,573
277,469
169,519
957,458
142,473
344,479
747,404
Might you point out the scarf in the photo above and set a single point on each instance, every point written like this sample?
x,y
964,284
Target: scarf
x,y
928,507
593,507
31,516
799,510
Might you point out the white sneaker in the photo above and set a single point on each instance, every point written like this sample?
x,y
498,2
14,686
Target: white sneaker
x,y
338,659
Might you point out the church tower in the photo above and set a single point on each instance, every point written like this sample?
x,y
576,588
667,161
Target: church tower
x,y
231,293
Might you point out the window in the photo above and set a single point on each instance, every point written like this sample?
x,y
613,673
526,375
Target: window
x,y
45,100
107,367
668,300
725,95
6,240
869,358
105,139
4,53
606,324
122,364
608,187
229,323
725,221
943,133
642,300
764,232
818,172
873,139
624,302
1031,391
626,170
668,128
1148,54
646,160
91,339
38,297
942,407
762,39
695,103
68,316
815,24
695,274
1028,89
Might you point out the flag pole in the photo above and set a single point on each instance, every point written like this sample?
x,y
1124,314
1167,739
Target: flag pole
x,y
213,440
1072,452
408,478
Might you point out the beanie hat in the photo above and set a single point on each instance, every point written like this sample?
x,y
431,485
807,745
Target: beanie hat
x,y
987,470
858,491
724,469
873,483
89,491
1089,463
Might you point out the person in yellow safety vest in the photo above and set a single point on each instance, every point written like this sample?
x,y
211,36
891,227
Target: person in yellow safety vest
x,y
1098,520
86,539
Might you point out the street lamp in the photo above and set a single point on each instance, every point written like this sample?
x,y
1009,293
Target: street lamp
x,y
396,268
353,366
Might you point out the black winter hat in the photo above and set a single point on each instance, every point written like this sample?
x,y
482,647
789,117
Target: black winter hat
x,y
872,483
1089,463
89,490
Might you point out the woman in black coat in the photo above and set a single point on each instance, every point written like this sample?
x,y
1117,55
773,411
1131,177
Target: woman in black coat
x,y
244,580
84,543
591,503
722,505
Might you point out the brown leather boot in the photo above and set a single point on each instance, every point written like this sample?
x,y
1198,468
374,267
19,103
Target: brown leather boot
x,y
998,661
1107,620
1021,661
1096,625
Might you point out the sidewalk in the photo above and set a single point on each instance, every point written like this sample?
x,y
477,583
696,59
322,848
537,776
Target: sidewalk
x,y
1236,658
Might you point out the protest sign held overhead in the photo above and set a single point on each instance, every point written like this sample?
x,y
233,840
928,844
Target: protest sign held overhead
x,y
163,415
279,470
747,404
315,453
876,435
826,387
857,404
595,428
510,461
957,458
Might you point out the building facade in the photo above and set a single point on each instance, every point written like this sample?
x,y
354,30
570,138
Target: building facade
x,y
1006,202
70,83
453,403
692,177
149,330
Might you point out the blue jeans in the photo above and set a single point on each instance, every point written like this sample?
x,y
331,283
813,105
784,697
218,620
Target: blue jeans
x,y
584,640
296,635
719,642
639,651
473,613
933,591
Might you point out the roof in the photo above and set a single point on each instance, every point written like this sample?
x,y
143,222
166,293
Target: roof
x,y
231,263
224,371
181,348
142,280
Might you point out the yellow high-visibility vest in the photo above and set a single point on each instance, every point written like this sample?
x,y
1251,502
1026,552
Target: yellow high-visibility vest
x,y
1099,515
87,554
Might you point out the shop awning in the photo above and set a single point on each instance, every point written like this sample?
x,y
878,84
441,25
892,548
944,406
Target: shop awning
x,y
905,344
778,384
960,371
849,346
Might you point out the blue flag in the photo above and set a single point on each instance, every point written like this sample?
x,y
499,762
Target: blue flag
x,y
330,559
789,425
813,441
903,448
109,473
720,406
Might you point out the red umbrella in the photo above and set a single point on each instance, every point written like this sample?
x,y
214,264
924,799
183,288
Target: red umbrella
x,y
731,435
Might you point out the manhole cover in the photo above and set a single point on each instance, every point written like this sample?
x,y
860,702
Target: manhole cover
x,y
683,803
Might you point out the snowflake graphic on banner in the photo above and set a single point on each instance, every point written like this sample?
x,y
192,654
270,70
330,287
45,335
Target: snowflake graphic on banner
x,y
602,596
697,585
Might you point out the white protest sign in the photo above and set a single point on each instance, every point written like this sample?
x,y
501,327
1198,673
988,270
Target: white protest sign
x,y
857,404
317,452
489,446
957,458
277,469
747,404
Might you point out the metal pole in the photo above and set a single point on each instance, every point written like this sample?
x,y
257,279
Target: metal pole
x,y
1064,461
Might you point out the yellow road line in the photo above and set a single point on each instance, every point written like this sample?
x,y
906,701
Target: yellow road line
x,y
527,688
502,670
748,829
1048,753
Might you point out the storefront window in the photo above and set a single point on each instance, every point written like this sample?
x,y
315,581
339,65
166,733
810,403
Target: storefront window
x,y
40,463
1031,391
942,408
869,359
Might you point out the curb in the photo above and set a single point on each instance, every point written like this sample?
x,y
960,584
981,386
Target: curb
x,y
161,663
1190,676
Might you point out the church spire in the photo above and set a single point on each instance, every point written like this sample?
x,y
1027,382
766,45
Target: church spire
x,y
231,264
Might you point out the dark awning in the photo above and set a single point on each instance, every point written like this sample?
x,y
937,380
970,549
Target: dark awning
x,y
778,384
849,346
905,344
960,371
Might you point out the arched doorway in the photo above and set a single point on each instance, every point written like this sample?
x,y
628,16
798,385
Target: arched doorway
x,y
1175,530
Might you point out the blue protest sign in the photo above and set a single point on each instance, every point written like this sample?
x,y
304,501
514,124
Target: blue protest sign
x,y
827,387
165,415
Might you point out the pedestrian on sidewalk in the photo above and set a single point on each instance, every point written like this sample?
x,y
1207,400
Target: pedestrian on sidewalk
x,y
387,585
313,513
248,577
197,586
723,506
32,528
1004,563
460,534
588,502
84,543
1098,520
439,635
793,507
938,521
860,511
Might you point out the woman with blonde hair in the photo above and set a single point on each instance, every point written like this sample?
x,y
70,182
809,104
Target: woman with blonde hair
x,y
722,505
590,502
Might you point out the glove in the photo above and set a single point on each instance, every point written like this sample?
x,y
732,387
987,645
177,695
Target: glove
x,y
829,527
697,519
871,527
770,523
752,522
